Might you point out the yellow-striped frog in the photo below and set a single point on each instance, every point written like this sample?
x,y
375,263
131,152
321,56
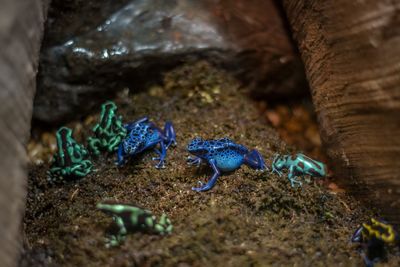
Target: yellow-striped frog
x,y
374,236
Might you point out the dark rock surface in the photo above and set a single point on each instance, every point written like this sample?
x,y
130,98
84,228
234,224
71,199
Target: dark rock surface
x,y
93,49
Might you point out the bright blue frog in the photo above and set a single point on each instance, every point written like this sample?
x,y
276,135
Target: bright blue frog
x,y
298,165
142,135
223,155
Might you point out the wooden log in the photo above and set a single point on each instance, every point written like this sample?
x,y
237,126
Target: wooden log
x,y
351,52
21,28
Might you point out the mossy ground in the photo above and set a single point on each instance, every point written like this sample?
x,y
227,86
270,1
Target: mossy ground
x,y
248,219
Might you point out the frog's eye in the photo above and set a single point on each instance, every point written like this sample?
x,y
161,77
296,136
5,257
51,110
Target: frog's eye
x,y
357,236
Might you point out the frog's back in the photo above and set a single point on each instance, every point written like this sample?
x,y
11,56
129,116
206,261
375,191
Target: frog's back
x,y
137,138
132,215
310,166
214,147
227,154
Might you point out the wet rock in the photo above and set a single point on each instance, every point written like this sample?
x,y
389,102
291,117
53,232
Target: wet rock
x,y
94,49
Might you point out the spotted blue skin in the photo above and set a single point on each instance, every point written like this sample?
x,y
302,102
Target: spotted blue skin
x,y
298,165
143,135
223,155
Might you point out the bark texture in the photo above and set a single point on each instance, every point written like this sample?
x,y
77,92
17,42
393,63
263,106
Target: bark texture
x,y
20,34
351,51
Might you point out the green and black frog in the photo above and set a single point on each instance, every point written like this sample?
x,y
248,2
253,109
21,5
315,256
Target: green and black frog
x,y
71,160
109,132
130,218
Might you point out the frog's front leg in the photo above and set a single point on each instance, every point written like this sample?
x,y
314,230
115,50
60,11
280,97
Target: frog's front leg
x,y
114,240
55,174
163,226
292,177
162,154
114,143
94,145
120,155
119,237
274,170
82,169
193,161
211,181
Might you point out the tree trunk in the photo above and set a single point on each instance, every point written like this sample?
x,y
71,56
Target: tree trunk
x,y
351,52
21,24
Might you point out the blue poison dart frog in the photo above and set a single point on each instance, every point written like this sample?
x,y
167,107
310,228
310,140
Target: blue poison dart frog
x,y
374,236
71,160
223,155
143,135
298,165
129,218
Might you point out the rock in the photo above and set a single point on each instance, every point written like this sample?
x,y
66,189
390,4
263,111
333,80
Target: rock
x,y
93,49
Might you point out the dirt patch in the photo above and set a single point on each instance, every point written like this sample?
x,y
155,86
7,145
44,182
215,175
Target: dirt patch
x,y
249,219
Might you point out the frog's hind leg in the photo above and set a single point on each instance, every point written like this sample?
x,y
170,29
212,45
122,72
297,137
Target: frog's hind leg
x,y
255,160
167,137
368,262
169,134
162,153
292,178
211,182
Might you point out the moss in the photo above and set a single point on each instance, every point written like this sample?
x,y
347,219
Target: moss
x,y
249,218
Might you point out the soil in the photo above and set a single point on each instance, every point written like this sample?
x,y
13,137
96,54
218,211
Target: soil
x,y
249,218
